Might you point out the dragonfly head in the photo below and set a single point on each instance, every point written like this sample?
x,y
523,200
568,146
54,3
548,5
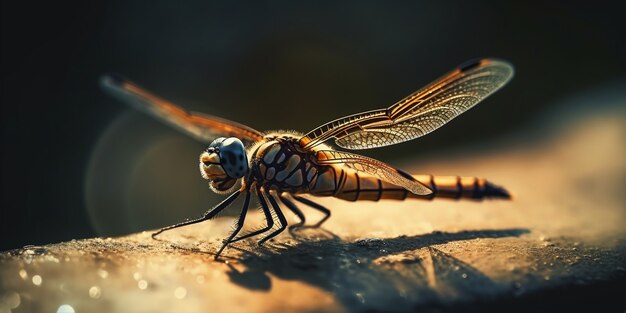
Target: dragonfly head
x,y
223,163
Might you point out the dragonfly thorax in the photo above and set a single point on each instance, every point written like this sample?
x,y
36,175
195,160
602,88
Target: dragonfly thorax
x,y
280,163
223,163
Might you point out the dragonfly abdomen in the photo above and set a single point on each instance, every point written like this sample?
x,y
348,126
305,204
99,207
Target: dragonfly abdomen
x,y
457,187
356,187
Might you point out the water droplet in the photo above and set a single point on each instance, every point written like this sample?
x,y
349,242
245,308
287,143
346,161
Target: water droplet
x,y
464,275
37,280
65,308
11,300
547,277
23,273
180,292
456,268
95,292
200,279
103,273
358,261
137,276
142,284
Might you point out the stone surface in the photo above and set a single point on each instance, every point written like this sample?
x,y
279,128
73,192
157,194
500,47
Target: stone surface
x,y
559,244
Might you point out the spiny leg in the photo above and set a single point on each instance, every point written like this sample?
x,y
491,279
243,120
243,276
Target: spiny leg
x,y
207,216
281,219
294,208
315,206
240,221
268,217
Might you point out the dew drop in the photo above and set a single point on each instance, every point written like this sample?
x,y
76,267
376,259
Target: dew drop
x,y
37,280
23,274
137,276
180,292
142,284
464,275
11,300
95,292
65,308
103,273
200,279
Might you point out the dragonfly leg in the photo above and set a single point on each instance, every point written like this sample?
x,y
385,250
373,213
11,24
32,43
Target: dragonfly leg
x,y
294,208
239,223
268,217
207,216
317,207
281,219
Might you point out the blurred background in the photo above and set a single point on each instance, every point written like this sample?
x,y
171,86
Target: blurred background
x,y
77,163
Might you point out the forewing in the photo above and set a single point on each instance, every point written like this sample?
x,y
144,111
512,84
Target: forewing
x,y
421,112
373,167
202,127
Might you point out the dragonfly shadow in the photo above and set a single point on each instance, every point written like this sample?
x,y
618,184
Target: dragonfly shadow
x,y
372,274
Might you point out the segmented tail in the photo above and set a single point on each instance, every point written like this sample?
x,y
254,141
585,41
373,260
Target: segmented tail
x,y
355,187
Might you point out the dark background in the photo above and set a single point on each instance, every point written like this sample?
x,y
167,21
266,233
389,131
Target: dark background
x,y
278,65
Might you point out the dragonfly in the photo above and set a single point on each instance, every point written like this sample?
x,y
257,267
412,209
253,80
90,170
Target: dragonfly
x,y
288,169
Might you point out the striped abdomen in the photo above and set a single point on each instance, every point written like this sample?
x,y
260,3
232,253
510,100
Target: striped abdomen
x,y
352,186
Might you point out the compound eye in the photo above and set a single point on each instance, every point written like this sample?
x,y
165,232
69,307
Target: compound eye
x,y
233,157
217,142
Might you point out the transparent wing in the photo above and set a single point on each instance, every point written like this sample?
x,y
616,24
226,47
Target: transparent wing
x,y
418,114
202,127
373,167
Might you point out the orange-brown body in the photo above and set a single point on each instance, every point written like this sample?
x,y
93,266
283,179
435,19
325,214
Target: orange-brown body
x,y
280,163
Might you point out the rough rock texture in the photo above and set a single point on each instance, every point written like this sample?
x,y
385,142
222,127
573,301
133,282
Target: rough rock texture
x,y
560,244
